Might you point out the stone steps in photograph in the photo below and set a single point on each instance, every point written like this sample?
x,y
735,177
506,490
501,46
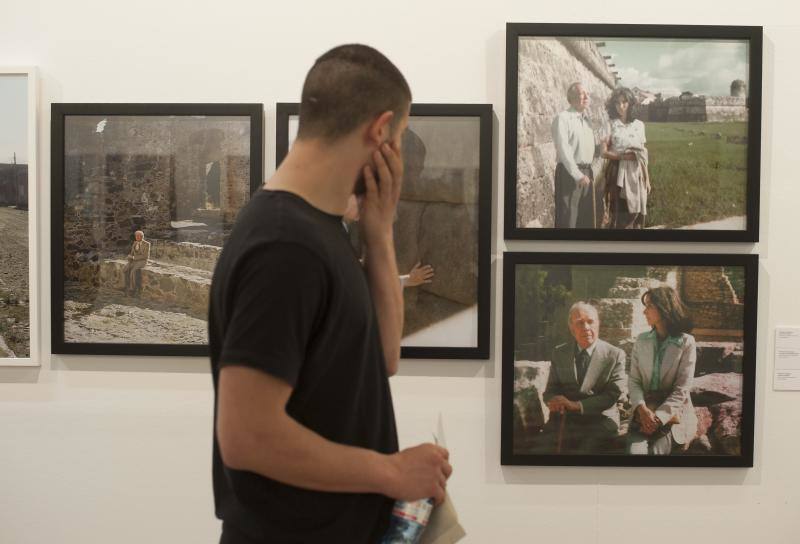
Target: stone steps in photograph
x,y
190,254
163,282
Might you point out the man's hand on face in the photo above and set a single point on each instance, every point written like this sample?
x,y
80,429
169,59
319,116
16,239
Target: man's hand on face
x,y
380,201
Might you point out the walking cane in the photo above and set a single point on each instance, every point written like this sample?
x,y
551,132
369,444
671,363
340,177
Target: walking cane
x,y
594,204
561,424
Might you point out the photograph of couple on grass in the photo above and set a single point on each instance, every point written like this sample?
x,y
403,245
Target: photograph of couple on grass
x,y
633,133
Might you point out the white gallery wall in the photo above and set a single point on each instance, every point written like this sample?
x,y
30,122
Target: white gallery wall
x,y
118,449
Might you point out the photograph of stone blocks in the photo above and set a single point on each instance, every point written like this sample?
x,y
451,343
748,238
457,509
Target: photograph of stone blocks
x,y
16,155
629,132
442,227
147,198
629,359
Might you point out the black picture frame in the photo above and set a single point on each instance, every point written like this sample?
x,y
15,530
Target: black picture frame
x,y
59,113
512,260
753,34
483,112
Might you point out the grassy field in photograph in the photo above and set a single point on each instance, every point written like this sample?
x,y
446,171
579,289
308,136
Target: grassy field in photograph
x,y
698,172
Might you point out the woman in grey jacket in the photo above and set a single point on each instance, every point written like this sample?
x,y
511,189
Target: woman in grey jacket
x,y
662,371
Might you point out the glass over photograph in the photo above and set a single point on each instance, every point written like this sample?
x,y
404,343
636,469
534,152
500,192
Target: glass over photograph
x,y
149,201
633,133
15,311
437,233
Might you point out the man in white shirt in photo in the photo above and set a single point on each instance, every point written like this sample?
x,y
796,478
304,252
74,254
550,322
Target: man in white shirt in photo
x,y
574,140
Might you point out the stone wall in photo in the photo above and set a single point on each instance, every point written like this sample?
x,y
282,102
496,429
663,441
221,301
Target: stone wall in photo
x,y
149,173
437,224
698,109
547,67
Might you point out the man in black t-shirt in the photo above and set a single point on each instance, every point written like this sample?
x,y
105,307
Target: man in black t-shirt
x,y
303,338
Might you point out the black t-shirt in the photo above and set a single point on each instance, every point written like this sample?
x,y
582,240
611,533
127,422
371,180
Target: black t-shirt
x,y
290,298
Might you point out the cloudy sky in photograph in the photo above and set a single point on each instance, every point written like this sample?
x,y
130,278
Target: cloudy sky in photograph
x,y
670,66
13,118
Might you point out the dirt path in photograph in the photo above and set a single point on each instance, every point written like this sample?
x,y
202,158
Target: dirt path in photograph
x,y
14,333
14,251
738,222
108,315
130,325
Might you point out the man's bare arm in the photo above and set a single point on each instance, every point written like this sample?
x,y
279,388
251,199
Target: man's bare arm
x,y
256,434
377,217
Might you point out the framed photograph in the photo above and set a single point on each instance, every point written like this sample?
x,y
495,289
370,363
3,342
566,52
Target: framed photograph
x,y
443,228
144,197
628,359
19,301
632,132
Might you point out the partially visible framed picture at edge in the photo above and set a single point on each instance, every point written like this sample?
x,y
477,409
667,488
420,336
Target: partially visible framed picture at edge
x,y
632,132
19,316
144,197
628,359
443,227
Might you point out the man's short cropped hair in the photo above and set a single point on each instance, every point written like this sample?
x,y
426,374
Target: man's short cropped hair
x,y
347,86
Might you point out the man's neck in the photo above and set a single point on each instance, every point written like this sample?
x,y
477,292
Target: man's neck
x,y
320,173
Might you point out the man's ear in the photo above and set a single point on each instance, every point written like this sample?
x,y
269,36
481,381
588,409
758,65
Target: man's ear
x,y
380,130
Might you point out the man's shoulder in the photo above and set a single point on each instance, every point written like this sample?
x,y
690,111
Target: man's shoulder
x,y
276,225
609,350
563,115
562,349
279,216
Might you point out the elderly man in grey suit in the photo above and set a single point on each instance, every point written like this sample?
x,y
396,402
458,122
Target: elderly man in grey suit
x,y
587,378
578,203
137,259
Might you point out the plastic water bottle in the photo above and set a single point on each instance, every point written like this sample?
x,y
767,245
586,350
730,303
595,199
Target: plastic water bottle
x,y
408,521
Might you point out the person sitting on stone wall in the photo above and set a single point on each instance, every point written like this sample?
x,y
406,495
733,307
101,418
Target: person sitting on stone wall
x,y
587,379
662,371
137,259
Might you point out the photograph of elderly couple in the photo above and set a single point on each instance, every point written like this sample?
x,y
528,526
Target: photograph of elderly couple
x,y
623,133
441,230
628,360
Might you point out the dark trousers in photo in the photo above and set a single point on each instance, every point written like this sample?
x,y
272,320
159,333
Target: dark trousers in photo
x,y
574,201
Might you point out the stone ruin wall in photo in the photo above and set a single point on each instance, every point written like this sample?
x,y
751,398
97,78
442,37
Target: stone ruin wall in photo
x,y
547,67
437,224
144,173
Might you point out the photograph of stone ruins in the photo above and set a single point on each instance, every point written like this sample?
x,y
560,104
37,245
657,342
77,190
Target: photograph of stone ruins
x,y
691,96
14,271
713,297
149,201
437,226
